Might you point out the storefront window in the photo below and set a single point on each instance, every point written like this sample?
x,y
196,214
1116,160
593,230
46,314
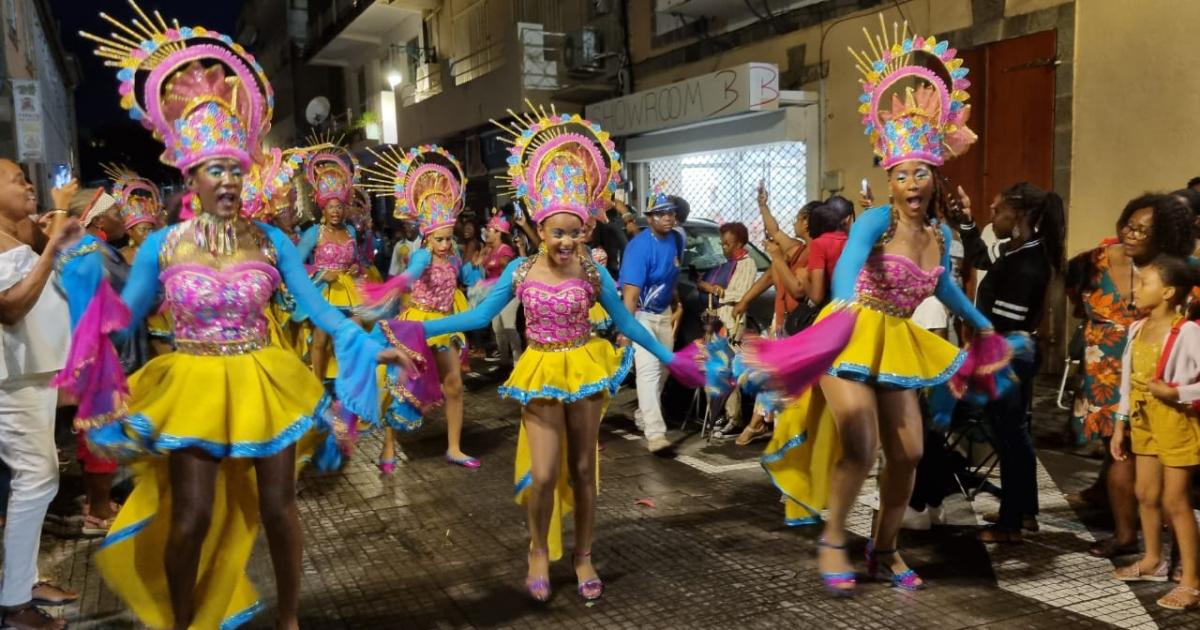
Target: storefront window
x,y
721,186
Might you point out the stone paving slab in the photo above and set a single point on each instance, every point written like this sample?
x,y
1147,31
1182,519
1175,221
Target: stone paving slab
x,y
436,546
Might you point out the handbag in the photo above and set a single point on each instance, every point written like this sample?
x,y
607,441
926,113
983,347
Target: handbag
x,y
800,317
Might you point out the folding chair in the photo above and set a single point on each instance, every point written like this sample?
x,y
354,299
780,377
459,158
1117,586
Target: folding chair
x,y
969,428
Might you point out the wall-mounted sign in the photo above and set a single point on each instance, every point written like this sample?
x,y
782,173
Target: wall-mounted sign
x,y
748,87
27,108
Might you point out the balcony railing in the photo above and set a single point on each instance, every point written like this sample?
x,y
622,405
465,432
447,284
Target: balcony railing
x,y
323,28
426,84
478,62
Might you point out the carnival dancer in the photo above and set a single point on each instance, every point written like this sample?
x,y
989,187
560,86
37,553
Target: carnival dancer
x,y
869,356
331,248
427,182
269,195
211,459
82,268
142,212
563,167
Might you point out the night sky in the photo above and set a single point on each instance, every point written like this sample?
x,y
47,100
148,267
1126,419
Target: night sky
x,y
97,106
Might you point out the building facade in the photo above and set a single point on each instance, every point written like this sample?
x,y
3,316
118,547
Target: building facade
x,y
37,109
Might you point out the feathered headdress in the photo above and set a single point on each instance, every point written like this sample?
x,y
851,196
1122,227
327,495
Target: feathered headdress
x,y
499,223
332,174
927,116
426,181
561,163
136,196
267,188
197,90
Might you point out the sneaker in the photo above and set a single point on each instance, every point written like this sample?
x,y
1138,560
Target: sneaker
x,y
658,444
937,515
492,358
728,428
917,521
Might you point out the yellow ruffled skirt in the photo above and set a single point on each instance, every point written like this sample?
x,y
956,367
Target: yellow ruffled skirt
x,y
236,408
343,292
597,367
452,341
885,351
599,318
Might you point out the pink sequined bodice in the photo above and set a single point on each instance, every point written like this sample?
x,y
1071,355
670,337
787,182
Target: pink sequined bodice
x,y
557,315
219,311
434,290
894,284
335,256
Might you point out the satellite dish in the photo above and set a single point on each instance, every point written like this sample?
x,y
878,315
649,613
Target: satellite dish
x,y
317,111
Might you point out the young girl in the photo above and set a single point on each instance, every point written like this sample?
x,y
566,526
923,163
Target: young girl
x,y
1157,420
432,188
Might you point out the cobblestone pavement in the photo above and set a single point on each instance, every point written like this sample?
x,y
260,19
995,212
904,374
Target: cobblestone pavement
x,y
437,546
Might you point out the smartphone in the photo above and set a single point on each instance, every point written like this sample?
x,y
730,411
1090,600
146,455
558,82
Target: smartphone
x,y
865,188
60,175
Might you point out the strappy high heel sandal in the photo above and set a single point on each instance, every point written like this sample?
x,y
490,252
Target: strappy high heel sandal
x,y
837,583
906,579
592,589
387,465
538,586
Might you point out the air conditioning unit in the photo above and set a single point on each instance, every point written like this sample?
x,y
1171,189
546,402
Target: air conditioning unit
x,y
584,50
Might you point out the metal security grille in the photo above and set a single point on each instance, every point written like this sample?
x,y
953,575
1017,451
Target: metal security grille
x,y
722,185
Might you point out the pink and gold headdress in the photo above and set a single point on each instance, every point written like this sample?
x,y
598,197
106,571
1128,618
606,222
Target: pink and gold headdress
x,y
426,181
561,163
926,119
136,196
332,173
267,188
499,223
197,90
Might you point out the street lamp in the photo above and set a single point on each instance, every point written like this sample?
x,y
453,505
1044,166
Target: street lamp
x,y
393,78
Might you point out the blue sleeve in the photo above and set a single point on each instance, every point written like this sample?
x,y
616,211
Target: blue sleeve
x,y
308,242
953,297
355,350
625,322
141,289
470,275
483,314
633,264
418,262
81,275
864,234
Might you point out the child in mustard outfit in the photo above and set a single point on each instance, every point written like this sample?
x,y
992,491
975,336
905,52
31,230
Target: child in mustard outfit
x,y
1159,422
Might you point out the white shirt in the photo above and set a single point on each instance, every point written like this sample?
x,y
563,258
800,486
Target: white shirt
x,y
37,344
400,254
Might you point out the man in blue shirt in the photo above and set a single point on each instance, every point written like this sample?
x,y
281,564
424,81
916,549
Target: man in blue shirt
x,y
649,270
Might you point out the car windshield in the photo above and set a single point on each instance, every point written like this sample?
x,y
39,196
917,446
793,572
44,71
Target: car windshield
x,y
703,249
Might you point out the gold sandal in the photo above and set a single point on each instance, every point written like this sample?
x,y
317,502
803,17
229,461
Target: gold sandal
x,y
750,434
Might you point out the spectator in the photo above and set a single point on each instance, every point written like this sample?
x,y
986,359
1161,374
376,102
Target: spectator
x,y
409,242
649,271
1100,284
726,285
789,259
1194,184
1013,296
34,319
828,226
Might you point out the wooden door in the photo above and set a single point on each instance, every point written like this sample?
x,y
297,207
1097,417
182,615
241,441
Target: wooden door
x,y
1012,110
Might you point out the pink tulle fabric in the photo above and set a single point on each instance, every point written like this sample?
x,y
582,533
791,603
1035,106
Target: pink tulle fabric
x,y
793,364
93,373
987,356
